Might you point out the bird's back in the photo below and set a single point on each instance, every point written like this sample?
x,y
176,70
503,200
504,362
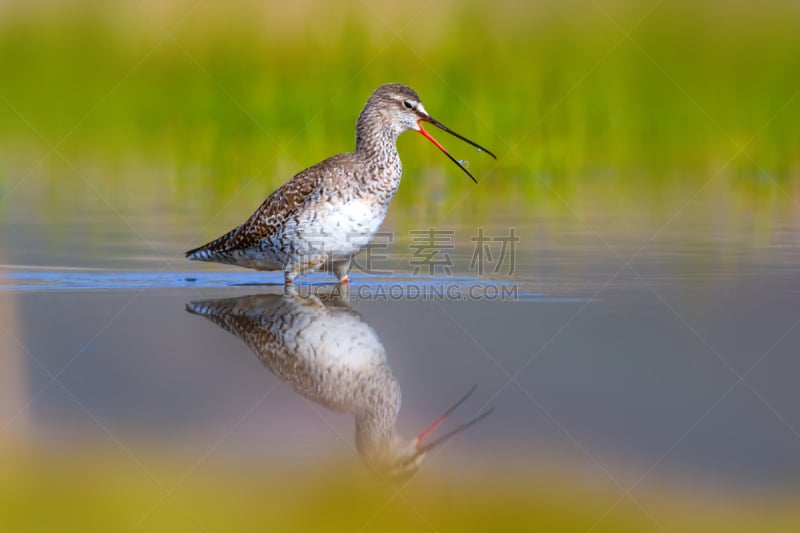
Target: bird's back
x,y
330,210
279,208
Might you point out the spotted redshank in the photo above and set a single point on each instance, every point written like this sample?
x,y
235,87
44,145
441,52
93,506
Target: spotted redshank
x,y
326,214
328,354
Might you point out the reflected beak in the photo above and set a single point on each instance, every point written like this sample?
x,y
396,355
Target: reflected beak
x,y
426,447
454,134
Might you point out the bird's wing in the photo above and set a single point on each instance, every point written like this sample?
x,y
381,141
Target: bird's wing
x,y
263,322
277,209
257,321
281,206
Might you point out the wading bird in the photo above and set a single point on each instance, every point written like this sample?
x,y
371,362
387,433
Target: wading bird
x,y
326,214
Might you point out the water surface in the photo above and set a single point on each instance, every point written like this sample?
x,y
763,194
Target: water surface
x,y
641,348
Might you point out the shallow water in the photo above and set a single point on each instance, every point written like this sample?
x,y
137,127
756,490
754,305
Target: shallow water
x,y
641,346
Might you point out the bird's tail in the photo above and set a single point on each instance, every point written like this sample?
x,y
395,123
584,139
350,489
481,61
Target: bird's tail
x,y
216,250
203,253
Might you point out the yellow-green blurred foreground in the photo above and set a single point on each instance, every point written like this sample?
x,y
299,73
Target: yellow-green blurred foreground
x,y
118,492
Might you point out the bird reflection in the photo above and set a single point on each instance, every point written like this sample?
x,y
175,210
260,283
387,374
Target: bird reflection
x,y
330,355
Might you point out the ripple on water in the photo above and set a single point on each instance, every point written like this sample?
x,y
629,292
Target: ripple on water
x,y
405,287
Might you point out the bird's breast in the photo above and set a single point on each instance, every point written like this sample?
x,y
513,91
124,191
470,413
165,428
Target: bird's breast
x,y
342,228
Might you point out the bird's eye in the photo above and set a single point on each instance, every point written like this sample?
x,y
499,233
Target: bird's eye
x,y
408,104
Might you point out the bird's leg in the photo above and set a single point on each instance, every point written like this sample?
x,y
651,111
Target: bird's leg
x,y
341,268
296,270
290,290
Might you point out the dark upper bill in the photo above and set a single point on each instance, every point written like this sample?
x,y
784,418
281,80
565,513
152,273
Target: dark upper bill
x,y
454,134
423,447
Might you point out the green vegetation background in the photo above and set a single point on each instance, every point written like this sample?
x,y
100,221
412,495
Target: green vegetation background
x,y
214,94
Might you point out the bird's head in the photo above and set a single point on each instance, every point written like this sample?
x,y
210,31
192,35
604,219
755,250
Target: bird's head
x,y
400,458
400,107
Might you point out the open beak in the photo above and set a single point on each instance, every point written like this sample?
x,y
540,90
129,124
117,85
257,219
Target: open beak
x,y
426,447
454,134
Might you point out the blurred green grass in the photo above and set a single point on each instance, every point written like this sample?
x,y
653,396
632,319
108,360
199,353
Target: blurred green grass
x,y
558,90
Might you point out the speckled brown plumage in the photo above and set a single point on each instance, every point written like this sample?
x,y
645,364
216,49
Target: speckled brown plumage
x,y
326,214
328,354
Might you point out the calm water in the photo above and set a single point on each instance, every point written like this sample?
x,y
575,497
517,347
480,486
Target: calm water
x,y
638,341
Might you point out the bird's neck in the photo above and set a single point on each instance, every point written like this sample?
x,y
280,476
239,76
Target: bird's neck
x,y
374,137
376,145
376,416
